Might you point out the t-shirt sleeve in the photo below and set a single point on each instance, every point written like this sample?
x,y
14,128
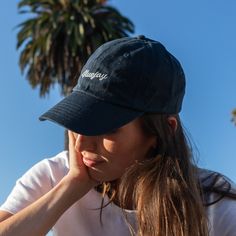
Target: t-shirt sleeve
x,y
222,216
36,182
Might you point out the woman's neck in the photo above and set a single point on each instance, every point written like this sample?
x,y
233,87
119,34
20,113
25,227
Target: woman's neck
x,y
128,203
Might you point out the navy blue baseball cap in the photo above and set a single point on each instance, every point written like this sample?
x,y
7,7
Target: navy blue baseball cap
x,y
122,80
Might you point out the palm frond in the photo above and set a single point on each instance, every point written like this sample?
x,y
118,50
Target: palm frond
x,y
57,41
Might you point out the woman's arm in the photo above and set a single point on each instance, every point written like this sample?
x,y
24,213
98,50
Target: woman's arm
x,y
38,218
4,215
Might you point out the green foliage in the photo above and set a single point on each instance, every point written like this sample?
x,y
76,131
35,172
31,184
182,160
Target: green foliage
x,y
233,119
60,36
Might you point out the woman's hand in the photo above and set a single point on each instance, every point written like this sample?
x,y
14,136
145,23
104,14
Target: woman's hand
x,y
78,171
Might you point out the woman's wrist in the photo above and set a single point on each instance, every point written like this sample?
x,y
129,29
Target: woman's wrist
x,y
75,187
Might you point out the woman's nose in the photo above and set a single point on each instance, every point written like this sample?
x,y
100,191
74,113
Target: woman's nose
x,y
85,143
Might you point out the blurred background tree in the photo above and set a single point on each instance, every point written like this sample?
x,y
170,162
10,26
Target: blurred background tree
x,y
60,36
234,116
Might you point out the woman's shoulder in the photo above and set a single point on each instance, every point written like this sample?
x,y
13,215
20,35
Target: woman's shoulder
x,y
59,161
56,166
49,170
209,178
222,216
220,200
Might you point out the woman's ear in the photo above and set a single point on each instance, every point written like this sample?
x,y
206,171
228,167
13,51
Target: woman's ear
x,y
153,147
172,121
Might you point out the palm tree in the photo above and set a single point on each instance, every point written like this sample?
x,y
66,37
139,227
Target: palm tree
x,y
233,119
60,35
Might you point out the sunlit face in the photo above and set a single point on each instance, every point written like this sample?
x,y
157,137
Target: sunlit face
x,y
108,156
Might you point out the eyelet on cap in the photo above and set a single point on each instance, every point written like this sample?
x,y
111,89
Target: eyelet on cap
x,y
141,37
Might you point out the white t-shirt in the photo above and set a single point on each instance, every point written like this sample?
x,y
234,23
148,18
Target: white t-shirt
x,y
83,218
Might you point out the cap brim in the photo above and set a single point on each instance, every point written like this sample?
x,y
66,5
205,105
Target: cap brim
x,y
85,114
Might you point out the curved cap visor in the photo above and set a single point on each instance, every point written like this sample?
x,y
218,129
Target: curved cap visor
x,y
87,115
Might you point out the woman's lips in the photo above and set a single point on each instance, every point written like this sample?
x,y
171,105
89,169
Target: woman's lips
x,y
92,162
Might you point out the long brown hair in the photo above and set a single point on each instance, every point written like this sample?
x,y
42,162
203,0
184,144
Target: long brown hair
x,y
165,189
166,193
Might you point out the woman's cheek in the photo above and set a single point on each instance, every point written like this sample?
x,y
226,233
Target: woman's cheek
x,y
110,146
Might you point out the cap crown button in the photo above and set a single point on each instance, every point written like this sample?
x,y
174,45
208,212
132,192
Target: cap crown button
x,y
141,37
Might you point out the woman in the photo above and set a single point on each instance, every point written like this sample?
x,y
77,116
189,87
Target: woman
x,y
129,170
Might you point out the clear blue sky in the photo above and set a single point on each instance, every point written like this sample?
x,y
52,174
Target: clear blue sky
x,y
201,34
